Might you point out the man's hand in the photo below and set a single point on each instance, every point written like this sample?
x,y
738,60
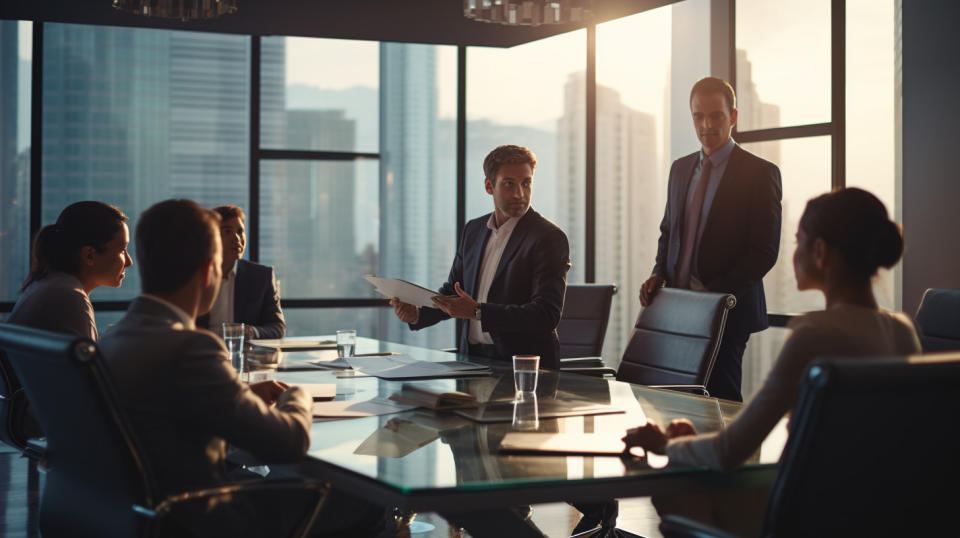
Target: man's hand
x,y
649,289
680,427
248,333
460,306
407,313
649,436
269,391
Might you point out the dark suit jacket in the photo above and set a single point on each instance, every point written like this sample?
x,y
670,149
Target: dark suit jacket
x,y
741,237
184,400
256,300
526,296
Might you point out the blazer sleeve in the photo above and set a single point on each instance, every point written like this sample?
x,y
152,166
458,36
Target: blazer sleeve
x,y
551,261
270,320
229,409
763,229
660,266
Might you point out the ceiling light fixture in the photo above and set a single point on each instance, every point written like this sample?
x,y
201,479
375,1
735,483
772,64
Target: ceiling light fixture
x,y
528,12
184,10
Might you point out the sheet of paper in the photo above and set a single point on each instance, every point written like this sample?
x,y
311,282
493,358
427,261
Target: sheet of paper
x,y
396,439
320,391
564,443
406,367
353,409
403,290
285,344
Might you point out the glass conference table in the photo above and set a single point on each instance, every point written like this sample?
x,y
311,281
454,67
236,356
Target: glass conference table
x,y
427,461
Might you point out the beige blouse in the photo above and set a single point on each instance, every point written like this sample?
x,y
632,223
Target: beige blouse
x,y
841,331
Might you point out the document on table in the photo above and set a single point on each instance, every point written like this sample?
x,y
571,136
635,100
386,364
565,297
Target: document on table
x,y
354,409
502,410
406,367
403,290
396,439
285,344
320,391
609,443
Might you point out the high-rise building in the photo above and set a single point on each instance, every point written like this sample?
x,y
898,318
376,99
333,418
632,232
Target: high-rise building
x,y
628,200
14,169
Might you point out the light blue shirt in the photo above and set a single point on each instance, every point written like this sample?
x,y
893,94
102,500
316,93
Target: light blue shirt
x,y
719,161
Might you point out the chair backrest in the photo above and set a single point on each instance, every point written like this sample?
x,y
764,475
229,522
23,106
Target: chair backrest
x,y
676,338
583,324
872,450
94,472
938,319
17,423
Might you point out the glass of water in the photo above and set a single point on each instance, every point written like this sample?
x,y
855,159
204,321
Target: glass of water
x,y
346,343
525,411
233,337
525,369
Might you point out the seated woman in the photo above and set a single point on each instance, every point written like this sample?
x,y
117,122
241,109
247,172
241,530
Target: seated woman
x,y
84,249
843,238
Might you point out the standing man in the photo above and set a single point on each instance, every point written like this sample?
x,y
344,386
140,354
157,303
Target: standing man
x,y
248,292
721,228
514,262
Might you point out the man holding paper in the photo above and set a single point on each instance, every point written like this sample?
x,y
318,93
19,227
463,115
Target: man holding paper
x,y
508,279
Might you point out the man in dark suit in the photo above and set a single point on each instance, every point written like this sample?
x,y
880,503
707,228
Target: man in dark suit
x,y
514,262
721,228
249,292
184,398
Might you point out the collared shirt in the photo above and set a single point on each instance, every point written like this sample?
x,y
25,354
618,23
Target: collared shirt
x,y
222,311
499,236
186,320
718,161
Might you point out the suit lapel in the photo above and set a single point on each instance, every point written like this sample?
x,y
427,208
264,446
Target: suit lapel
x,y
683,186
513,245
471,263
730,174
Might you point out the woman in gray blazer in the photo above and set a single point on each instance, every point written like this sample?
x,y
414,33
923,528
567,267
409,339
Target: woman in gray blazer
x,y
86,248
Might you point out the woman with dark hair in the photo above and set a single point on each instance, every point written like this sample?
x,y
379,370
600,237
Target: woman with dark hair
x,y
86,248
843,238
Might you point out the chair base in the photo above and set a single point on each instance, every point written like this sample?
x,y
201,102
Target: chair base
x,y
606,532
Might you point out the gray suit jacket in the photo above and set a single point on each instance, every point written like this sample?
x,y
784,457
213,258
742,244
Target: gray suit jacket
x,y
184,400
56,303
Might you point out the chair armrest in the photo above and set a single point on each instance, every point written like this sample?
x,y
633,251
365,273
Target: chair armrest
x,y
36,449
181,510
590,371
700,389
680,527
581,361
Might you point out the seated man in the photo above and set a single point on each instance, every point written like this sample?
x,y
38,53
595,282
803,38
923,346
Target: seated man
x,y
176,383
248,293
514,262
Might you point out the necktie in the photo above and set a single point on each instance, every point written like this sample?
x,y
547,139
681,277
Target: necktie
x,y
690,225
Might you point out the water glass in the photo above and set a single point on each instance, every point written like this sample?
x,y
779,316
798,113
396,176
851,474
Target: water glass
x,y
233,337
526,414
525,369
346,343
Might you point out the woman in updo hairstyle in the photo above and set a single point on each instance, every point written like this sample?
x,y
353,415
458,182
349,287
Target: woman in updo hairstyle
x,y
84,249
843,238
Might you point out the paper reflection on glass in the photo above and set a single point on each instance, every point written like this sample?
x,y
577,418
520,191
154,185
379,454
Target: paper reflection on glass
x,y
397,438
526,413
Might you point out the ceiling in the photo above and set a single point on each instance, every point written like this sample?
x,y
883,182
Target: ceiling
x,y
415,21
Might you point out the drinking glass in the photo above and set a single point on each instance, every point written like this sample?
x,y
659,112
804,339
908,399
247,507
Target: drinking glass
x,y
526,414
233,337
525,369
346,343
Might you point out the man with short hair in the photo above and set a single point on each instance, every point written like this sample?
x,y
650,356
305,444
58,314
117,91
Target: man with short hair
x,y
721,228
508,279
248,291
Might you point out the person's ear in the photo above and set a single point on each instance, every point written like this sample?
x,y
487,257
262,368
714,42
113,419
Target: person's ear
x,y
87,255
733,117
487,184
208,270
820,252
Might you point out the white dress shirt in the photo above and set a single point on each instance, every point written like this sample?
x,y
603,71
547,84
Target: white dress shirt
x,y
499,236
222,311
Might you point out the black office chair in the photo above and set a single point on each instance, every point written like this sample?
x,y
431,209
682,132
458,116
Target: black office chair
x,y
583,324
872,452
98,483
674,342
938,320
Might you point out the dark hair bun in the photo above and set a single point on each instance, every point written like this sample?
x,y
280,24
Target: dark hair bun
x,y
889,245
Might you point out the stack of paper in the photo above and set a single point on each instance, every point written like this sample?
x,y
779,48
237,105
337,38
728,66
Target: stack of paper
x,y
320,391
285,344
403,290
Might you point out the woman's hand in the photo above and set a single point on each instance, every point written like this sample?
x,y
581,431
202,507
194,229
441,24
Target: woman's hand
x,y
680,427
649,437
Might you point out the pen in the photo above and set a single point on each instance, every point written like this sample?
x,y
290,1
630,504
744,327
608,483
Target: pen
x,y
381,354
